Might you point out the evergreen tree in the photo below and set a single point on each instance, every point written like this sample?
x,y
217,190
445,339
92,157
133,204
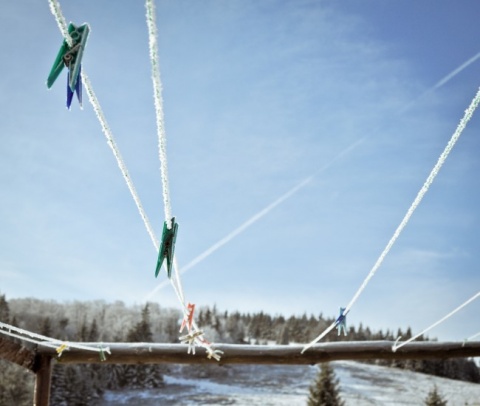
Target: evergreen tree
x,y
16,385
434,398
207,317
4,310
133,376
154,377
172,327
58,389
284,336
142,331
112,376
93,334
324,391
142,376
82,334
46,327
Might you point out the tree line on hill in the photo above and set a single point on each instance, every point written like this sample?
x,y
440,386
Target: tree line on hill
x,y
98,321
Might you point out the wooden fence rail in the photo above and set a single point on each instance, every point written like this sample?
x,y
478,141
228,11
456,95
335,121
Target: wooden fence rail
x,y
149,353
39,360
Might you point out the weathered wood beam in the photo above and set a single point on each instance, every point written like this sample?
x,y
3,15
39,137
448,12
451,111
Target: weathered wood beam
x,y
16,353
150,353
43,378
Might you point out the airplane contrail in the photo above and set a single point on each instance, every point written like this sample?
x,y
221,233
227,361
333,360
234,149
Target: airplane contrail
x,y
234,233
295,189
252,220
455,72
443,81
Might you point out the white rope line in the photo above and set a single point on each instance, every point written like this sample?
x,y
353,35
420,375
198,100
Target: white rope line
x,y
61,22
40,339
395,347
60,19
461,126
116,153
30,340
157,95
472,337
441,160
177,281
57,13
162,139
162,147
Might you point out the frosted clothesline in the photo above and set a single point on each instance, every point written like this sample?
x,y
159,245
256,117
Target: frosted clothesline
x,y
194,338
176,282
461,126
61,22
62,25
159,115
40,339
158,102
395,347
116,153
472,337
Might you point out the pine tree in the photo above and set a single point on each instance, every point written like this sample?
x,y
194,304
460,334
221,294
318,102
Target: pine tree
x,y
4,310
16,385
434,398
46,326
82,334
140,376
93,334
324,391
58,389
142,331
284,336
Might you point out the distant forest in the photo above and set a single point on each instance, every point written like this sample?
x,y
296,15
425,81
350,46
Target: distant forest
x,y
98,321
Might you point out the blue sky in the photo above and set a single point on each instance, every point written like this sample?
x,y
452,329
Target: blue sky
x,y
258,97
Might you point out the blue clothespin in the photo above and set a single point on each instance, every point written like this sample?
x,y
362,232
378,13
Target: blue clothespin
x,y
341,322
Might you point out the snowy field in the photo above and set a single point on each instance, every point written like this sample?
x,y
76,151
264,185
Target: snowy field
x,y
360,384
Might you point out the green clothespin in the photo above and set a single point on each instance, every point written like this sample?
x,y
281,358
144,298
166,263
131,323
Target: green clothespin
x,y
167,247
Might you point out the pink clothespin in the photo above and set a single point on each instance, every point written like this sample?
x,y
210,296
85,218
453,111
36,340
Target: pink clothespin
x,y
188,318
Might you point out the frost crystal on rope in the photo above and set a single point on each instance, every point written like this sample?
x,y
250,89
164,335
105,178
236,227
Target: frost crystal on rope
x,y
157,94
60,19
395,347
116,153
39,339
62,25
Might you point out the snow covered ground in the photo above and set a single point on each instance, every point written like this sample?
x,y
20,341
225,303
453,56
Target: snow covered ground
x,y
251,385
363,384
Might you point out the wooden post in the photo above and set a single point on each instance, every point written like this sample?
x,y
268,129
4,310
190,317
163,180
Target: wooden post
x,y
43,378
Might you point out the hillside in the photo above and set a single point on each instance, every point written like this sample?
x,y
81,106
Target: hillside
x,y
116,322
360,385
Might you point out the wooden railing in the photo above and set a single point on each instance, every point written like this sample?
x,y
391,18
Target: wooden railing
x,y
39,361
